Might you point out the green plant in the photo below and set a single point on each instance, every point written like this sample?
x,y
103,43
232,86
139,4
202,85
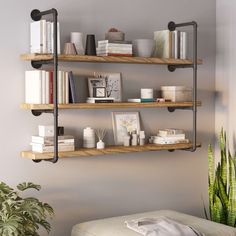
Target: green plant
x,y
222,185
22,216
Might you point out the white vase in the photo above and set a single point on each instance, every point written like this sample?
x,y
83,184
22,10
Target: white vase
x,y
77,39
100,144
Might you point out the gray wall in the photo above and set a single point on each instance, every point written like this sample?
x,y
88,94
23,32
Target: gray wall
x,y
225,69
89,188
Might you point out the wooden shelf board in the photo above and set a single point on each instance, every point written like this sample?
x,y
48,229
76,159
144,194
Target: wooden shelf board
x,y
106,59
107,105
109,150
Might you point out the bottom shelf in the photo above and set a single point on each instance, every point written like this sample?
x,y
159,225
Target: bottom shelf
x,y
84,152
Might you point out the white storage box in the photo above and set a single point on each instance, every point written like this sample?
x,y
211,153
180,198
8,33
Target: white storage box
x,y
177,93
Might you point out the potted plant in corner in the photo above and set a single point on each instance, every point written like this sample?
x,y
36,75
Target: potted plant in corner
x,y
222,185
22,216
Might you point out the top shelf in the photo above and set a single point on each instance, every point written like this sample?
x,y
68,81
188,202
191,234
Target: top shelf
x,y
107,59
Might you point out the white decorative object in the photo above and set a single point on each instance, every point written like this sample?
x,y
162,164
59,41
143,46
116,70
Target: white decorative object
x,y
100,144
89,138
124,123
46,131
177,93
141,138
100,134
146,93
77,39
127,140
134,140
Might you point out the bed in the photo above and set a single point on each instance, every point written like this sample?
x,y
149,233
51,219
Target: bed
x,y
115,226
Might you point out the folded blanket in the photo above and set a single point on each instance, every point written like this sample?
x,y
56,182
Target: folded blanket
x,y
161,226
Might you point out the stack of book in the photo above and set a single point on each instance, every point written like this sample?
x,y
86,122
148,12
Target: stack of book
x,y
170,136
100,100
44,141
171,44
39,87
119,48
41,37
45,144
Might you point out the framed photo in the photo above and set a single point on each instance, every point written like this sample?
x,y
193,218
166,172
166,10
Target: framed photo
x,y
124,123
113,83
95,83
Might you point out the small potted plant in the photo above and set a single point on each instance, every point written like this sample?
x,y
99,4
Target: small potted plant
x,y
22,216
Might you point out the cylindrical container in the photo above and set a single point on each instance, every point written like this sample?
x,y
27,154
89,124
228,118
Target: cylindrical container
x,y
77,39
147,93
89,138
100,144
143,47
126,140
90,45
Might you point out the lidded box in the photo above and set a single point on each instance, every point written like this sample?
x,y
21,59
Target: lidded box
x,y
177,93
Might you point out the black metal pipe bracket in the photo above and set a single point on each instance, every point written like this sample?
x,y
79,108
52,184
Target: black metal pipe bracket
x,y
40,112
37,15
172,27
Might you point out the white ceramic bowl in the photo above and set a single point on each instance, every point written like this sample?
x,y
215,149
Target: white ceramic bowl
x,y
143,47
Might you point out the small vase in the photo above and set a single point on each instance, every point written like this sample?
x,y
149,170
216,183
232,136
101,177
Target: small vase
x,y
100,144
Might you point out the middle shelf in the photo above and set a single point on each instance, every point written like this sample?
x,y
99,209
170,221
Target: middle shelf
x,y
116,105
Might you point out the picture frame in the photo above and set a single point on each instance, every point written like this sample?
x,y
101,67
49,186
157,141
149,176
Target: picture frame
x,y
113,83
94,83
124,123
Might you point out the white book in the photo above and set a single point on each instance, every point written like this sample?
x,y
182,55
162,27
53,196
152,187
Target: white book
x,y
44,36
176,35
171,131
33,87
163,44
58,37
35,37
113,50
61,148
47,81
66,88
48,38
60,87
50,140
43,87
178,136
183,45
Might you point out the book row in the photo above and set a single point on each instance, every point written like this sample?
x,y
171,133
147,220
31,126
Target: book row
x,y
41,37
39,87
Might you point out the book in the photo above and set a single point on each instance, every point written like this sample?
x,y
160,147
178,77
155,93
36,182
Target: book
x,y
47,90
44,36
43,149
176,45
48,38
50,87
112,50
163,140
137,100
180,136
100,100
183,45
58,37
50,140
163,41
122,44
43,87
165,132
147,100
115,54
36,36
72,90
33,87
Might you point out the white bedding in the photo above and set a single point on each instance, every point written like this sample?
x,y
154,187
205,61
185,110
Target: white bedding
x,y
116,226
